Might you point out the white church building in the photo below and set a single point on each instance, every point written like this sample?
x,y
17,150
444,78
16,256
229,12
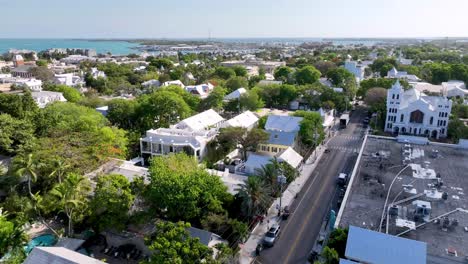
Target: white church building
x,y
415,113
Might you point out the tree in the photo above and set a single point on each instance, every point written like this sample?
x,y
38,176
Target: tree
x,y
325,66
283,73
161,63
183,191
240,71
338,76
122,113
247,139
250,101
41,63
27,166
15,134
12,236
19,106
112,200
161,109
60,168
457,129
70,93
255,197
330,255
172,244
376,98
214,99
70,197
236,82
311,129
337,241
42,73
224,73
307,75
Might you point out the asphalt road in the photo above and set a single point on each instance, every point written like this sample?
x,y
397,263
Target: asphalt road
x,y
312,205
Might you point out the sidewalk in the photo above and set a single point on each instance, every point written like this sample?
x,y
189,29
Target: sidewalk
x,y
247,252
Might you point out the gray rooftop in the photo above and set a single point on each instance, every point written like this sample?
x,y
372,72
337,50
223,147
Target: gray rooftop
x,y
58,255
381,160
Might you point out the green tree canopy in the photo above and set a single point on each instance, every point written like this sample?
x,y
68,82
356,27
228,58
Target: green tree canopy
x,y
172,244
15,134
161,108
283,73
70,93
307,75
224,73
182,190
240,70
311,129
111,202
235,83
214,99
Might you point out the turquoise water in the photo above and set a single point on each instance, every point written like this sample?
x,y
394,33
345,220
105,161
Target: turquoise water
x,y
114,47
40,241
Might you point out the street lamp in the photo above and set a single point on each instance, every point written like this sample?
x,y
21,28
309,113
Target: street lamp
x,y
281,180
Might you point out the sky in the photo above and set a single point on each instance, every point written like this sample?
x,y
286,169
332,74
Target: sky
x,y
232,19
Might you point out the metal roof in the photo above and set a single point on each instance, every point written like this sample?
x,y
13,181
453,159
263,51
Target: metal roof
x,y
369,246
282,138
283,123
52,255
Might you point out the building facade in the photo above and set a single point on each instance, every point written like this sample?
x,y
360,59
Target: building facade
x,y
415,113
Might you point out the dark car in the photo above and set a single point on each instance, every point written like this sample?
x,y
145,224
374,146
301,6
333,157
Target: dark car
x,y
271,236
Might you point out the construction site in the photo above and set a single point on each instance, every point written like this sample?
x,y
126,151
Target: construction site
x,y
412,189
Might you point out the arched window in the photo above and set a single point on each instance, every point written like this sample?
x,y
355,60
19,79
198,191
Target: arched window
x,y
431,120
417,117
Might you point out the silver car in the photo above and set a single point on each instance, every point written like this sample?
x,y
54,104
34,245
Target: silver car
x,y
271,236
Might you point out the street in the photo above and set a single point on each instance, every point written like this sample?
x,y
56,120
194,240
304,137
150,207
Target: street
x,y
312,204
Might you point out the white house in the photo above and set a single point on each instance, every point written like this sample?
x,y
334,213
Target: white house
x,y
190,135
151,83
176,82
97,73
394,73
69,79
32,84
449,89
415,113
235,94
44,98
255,161
201,90
246,120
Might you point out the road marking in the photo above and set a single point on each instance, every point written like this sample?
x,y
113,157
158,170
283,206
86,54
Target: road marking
x,y
309,215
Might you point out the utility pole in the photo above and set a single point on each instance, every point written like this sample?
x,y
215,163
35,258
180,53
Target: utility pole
x,y
281,180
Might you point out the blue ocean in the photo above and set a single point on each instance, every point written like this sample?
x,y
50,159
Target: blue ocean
x,y
114,47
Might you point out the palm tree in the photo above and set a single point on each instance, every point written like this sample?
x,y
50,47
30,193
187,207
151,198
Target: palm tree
x,y
28,167
60,167
255,196
269,175
71,196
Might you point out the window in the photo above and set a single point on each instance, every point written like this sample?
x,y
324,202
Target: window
x,y
402,117
393,96
431,120
397,96
274,149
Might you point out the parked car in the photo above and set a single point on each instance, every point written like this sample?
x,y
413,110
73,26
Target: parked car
x,y
271,236
342,179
